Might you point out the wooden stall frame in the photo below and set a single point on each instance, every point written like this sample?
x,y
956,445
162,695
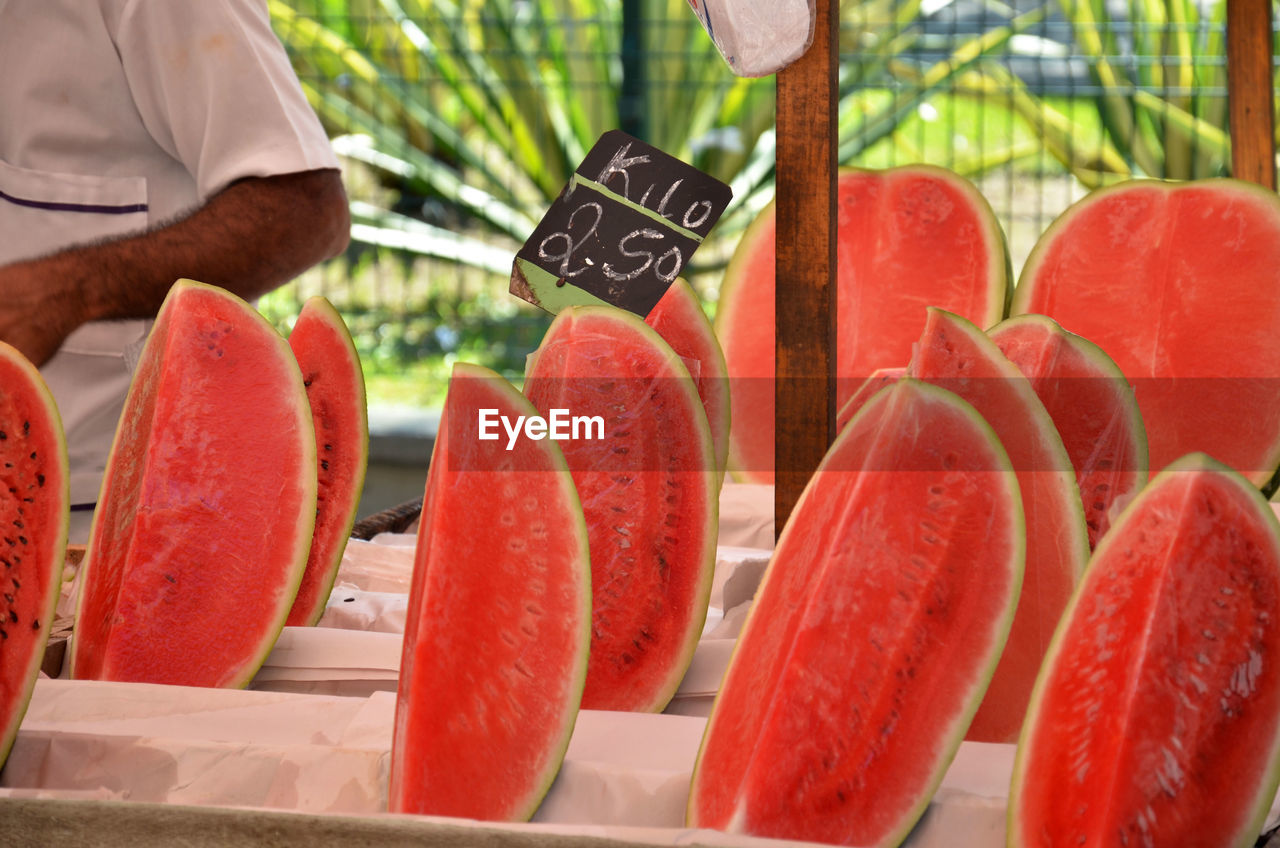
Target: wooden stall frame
x,y
1250,99
804,382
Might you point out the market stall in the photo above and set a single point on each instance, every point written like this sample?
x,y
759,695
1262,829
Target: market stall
x,y
302,756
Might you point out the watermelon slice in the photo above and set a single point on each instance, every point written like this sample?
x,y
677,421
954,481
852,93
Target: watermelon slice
x,y
879,378
648,491
34,510
1092,406
208,503
909,237
1177,282
679,319
335,389
1156,718
495,646
956,355
873,635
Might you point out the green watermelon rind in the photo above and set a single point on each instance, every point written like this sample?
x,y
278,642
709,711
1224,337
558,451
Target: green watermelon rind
x,y
322,310
560,746
1271,780
1106,367
1026,279
1001,277
1002,627
305,526
702,594
38,389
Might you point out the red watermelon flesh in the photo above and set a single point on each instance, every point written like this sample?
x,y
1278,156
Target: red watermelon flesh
x,y
956,355
679,319
335,389
908,238
34,510
879,378
648,491
874,633
208,503
1177,282
1156,719
1091,404
495,646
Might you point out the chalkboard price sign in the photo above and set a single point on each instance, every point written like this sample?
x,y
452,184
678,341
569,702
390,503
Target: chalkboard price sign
x,y
621,231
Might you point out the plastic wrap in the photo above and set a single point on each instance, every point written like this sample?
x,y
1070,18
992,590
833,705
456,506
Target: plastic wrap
x,y
757,37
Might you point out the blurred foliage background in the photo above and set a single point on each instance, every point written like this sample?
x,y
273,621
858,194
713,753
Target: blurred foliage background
x,y
459,121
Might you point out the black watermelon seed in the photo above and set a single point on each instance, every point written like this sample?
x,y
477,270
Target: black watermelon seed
x,y
171,578
26,427
16,584
3,635
328,447
40,479
3,435
35,625
22,539
33,454
8,598
13,616
17,522
324,463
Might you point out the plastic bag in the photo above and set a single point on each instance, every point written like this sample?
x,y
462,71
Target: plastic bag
x,y
757,37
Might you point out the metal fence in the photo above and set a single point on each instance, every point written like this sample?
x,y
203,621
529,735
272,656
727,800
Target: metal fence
x,y
460,121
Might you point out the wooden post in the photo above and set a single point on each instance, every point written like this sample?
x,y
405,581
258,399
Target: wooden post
x,y
806,257
1249,91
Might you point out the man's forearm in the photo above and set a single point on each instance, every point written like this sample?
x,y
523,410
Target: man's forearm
x,y
249,238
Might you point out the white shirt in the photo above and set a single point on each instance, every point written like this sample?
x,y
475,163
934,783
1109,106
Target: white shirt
x,y
117,115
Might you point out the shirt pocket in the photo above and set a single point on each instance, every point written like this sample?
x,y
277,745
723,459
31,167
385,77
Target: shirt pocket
x,y
42,212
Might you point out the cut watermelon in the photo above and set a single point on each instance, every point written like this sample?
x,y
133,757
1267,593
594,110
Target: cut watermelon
x,y
956,355
495,646
1091,404
909,237
1177,282
208,502
1156,718
879,378
335,389
34,510
679,319
874,633
648,491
